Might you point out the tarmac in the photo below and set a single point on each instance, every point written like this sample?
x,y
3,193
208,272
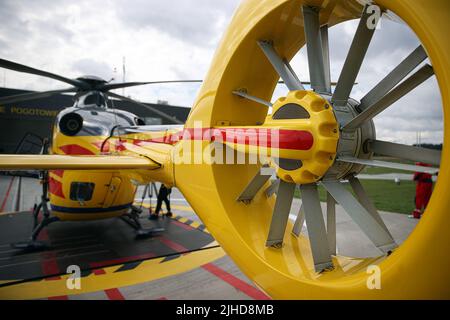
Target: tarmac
x,y
206,273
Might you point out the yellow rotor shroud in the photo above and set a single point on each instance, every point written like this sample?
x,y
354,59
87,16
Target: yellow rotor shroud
x,y
417,269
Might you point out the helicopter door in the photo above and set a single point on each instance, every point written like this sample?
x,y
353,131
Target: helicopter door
x,y
113,190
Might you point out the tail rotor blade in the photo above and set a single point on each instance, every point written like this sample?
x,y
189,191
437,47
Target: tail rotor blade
x,y
280,214
354,60
386,164
258,181
316,227
314,44
368,224
366,202
273,188
331,223
299,221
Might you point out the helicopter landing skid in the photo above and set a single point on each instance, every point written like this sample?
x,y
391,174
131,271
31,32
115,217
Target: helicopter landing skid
x,y
31,246
132,219
34,244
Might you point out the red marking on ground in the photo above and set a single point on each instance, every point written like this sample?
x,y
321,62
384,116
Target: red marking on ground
x,y
49,265
75,149
7,194
59,298
114,294
162,298
236,282
183,225
173,245
98,264
55,187
98,272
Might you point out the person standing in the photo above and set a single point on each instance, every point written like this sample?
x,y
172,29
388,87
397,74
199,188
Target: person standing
x,y
163,195
424,189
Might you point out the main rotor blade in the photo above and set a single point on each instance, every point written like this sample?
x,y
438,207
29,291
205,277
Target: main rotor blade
x,y
354,60
391,165
280,214
160,113
316,227
402,151
281,66
33,95
22,68
393,78
314,49
368,224
112,86
393,96
258,181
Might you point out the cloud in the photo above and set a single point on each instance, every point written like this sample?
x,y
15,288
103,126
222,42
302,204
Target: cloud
x,y
195,22
176,39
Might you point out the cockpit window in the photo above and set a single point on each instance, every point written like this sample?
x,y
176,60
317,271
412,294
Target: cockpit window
x,y
95,98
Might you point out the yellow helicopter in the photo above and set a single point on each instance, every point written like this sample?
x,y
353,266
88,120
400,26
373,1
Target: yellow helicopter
x,y
87,129
307,138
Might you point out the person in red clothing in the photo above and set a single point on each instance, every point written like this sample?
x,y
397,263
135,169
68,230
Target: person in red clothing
x,y
424,188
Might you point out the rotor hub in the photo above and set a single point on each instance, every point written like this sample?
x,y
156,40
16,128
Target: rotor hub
x,y
304,111
351,143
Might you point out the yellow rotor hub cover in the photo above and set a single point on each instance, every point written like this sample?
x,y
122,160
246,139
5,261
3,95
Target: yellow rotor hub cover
x,y
308,160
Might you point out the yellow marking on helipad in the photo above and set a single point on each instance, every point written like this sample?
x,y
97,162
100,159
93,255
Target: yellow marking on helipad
x,y
8,213
175,206
147,271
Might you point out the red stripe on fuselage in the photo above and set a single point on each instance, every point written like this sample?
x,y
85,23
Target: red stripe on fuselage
x,y
55,187
59,172
101,144
75,149
270,138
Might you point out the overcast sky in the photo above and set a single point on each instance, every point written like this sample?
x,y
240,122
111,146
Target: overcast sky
x,y
176,39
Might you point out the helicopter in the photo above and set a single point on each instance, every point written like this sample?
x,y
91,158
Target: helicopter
x,y
85,129
325,138
85,191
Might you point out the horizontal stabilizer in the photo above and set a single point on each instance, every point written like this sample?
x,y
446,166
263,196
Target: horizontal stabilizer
x,y
64,162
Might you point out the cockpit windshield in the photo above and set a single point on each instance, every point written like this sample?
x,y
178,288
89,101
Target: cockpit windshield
x,y
93,99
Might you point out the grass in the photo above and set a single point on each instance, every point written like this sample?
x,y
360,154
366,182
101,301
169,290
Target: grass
x,y
386,195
